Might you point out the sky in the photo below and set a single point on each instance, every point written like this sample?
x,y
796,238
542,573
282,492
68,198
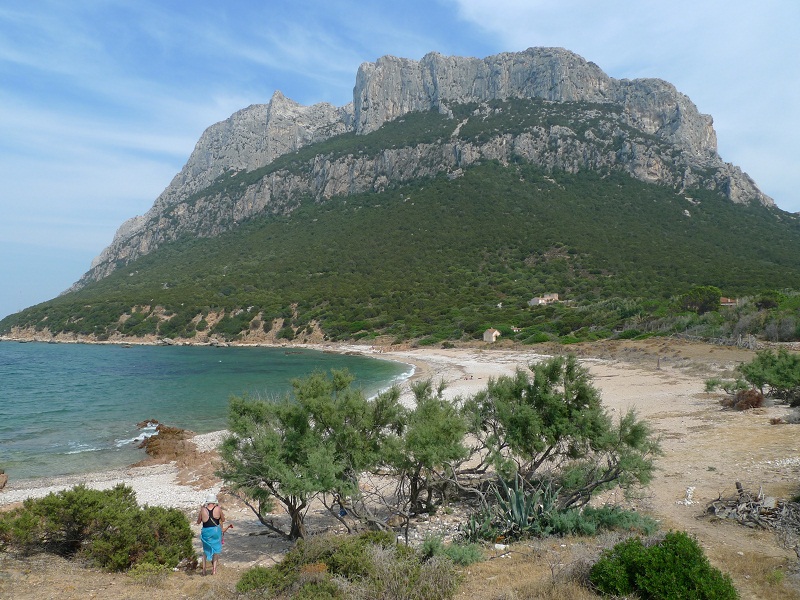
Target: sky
x,y
102,101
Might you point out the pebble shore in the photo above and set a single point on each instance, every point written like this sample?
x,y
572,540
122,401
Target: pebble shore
x,y
154,485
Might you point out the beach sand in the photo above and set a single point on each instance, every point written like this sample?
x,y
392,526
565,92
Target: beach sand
x,y
706,449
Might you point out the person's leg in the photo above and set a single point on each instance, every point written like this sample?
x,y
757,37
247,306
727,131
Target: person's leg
x,y
204,563
214,564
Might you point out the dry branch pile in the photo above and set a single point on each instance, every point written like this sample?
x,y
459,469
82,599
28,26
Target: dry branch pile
x,y
759,511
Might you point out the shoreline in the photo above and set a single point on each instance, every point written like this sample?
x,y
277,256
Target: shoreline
x,y
641,376
464,370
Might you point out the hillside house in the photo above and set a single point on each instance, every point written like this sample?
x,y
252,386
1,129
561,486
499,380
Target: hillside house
x,y
546,299
491,335
723,301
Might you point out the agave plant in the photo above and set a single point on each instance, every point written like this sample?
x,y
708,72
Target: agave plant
x,y
524,510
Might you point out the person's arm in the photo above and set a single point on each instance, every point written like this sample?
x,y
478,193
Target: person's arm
x,y
199,517
221,520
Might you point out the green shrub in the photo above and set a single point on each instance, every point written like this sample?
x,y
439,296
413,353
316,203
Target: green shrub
x,y
479,526
464,554
400,574
713,384
106,527
537,338
628,334
780,372
317,590
461,554
676,568
286,332
350,559
60,523
153,534
518,510
370,565
268,579
591,521
522,513
615,518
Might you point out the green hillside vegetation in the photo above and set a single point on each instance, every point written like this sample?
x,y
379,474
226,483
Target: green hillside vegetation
x,y
444,258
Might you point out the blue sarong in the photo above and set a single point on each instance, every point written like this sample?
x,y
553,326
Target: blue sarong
x,y
212,541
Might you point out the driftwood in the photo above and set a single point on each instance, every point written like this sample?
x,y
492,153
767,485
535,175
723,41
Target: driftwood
x,y
761,512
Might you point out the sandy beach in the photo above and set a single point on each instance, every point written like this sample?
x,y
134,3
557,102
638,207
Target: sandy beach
x,y
706,449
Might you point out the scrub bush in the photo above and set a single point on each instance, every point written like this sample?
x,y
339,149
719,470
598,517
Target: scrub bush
x,y
107,528
370,565
461,554
676,568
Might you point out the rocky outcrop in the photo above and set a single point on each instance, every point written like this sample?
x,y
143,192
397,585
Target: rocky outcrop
x,y
649,130
392,87
248,139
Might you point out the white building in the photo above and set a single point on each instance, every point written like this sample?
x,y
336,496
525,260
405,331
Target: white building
x,y
546,299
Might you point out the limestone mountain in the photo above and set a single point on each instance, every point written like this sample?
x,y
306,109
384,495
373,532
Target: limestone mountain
x,y
441,202
582,120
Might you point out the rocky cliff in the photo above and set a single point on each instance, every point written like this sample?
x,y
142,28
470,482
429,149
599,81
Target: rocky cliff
x,y
644,127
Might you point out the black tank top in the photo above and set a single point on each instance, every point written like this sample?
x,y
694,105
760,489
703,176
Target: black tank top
x,y
211,521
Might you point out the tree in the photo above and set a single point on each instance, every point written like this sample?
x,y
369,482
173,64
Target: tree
x,y
316,440
432,440
551,428
780,371
768,299
702,299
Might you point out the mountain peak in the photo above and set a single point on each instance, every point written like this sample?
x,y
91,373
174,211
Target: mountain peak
x,y
651,131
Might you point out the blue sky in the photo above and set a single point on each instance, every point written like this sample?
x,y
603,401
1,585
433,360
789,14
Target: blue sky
x,y
102,101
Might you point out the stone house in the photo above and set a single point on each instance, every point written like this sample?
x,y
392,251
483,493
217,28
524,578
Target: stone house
x,y
546,299
491,335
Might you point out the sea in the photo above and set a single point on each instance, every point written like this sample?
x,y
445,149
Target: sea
x,y
70,409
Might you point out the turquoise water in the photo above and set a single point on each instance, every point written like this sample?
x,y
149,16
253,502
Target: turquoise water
x,y
74,408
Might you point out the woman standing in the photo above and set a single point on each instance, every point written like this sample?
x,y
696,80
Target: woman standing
x,y
211,517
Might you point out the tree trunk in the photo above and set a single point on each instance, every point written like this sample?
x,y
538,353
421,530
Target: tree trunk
x,y
414,491
298,530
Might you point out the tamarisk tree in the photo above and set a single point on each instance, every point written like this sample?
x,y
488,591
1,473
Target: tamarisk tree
x,y
316,440
551,429
432,441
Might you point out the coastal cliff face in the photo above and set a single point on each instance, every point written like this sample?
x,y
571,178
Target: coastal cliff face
x,y
644,127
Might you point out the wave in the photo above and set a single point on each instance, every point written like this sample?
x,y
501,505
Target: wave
x,y
81,448
149,430
397,379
